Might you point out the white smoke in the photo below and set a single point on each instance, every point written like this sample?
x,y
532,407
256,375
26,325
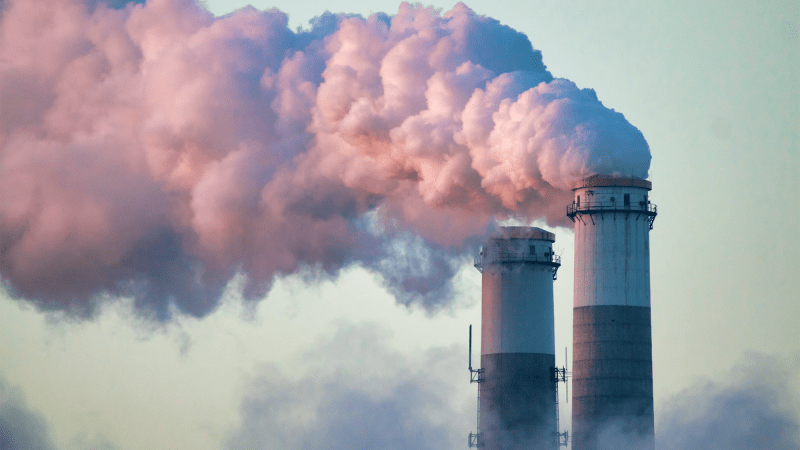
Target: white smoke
x,y
155,150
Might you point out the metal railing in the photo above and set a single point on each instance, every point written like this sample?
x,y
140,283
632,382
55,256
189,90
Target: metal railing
x,y
595,207
474,440
648,210
550,259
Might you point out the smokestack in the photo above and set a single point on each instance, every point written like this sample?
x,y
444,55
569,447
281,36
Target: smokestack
x,y
517,390
612,372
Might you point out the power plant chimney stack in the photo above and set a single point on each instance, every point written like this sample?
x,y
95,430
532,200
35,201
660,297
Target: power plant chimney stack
x,y
517,386
612,369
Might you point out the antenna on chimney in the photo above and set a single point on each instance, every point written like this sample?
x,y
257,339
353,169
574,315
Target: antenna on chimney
x,y
566,362
561,376
475,440
470,349
475,375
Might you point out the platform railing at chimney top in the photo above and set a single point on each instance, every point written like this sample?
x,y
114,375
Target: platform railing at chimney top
x,y
592,207
501,257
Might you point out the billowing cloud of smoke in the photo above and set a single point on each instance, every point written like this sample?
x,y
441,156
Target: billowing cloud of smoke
x,y
20,428
155,150
359,394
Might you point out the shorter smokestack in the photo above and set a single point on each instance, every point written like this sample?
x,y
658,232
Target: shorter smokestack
x,y
518,391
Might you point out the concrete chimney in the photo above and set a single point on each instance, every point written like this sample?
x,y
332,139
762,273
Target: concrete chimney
x,y
612,369
517,391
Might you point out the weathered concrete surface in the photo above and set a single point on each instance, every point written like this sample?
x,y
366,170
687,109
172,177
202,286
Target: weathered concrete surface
x,y
612,377
517,309
518,401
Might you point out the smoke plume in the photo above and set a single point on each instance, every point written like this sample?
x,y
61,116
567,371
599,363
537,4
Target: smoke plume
x,y
154,150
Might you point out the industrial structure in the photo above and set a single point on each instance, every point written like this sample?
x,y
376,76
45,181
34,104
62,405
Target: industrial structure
x,y
517,381
612,369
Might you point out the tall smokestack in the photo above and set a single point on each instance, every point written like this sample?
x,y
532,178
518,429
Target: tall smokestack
x,y
612,372
517,392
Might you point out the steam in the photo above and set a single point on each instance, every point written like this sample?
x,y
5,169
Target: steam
x,y
405,402
343,402
754,405
757,407
155,150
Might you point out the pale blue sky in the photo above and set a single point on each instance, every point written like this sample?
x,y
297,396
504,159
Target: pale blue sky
x,y
715,89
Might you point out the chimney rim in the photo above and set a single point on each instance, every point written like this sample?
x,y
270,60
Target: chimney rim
x,y
611,181
523,233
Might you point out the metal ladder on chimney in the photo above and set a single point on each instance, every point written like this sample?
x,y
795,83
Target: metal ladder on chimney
x,y
560,375
475,376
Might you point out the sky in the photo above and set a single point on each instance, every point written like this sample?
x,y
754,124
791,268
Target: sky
x,y
344,356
